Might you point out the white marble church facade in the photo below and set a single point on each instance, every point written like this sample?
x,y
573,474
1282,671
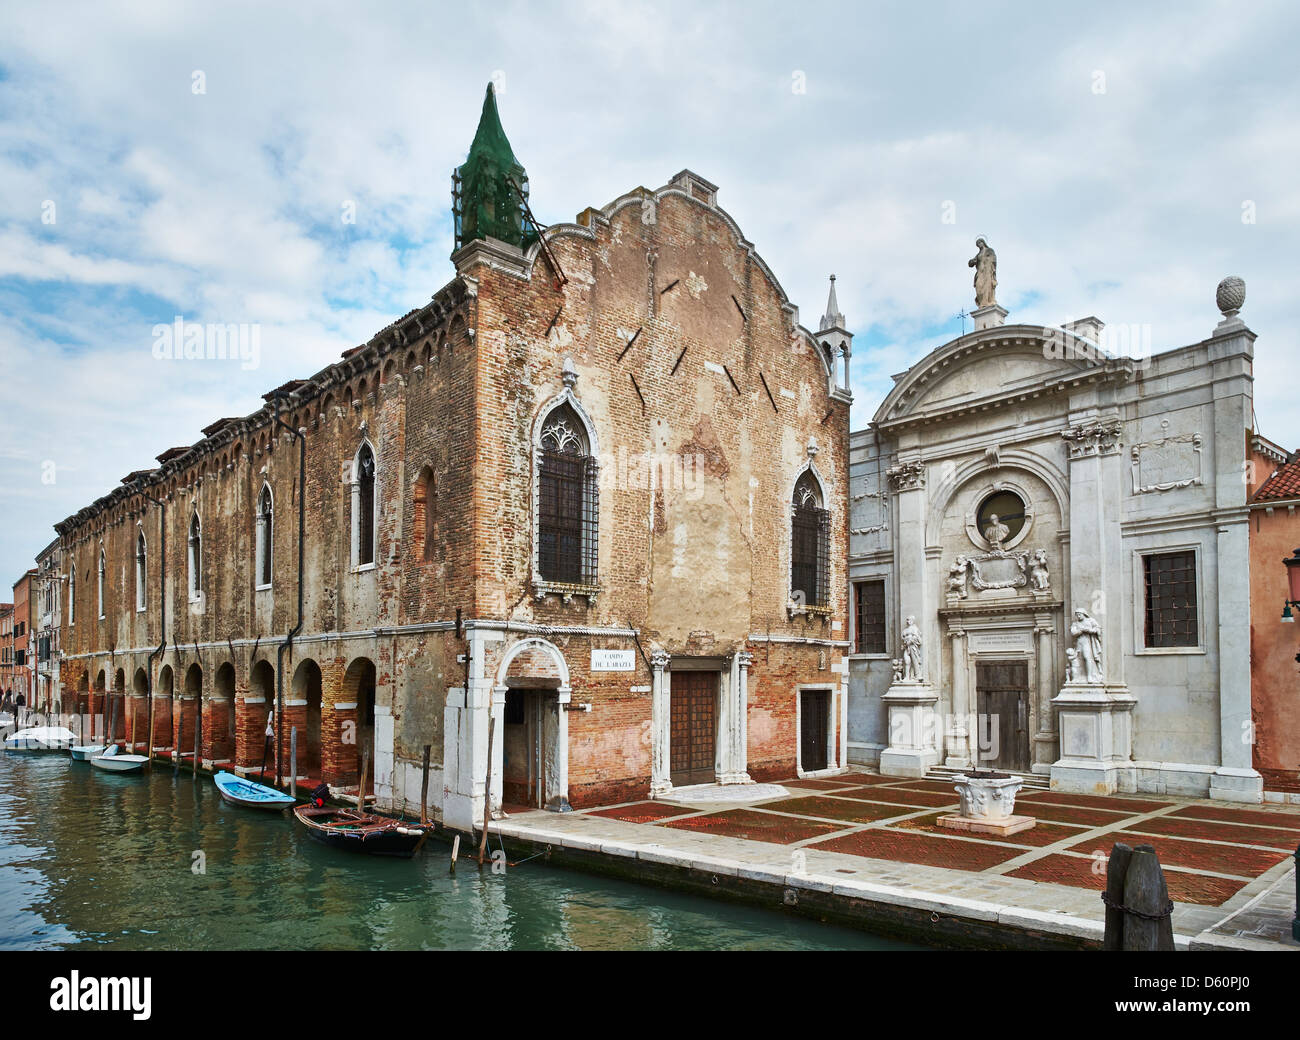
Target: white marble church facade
x,y
1069,532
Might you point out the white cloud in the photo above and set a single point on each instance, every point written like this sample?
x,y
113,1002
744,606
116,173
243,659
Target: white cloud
x,y
226,206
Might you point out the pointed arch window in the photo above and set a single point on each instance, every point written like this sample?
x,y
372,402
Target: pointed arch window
x,y
265,536
103,571
364,512
567,503
809,545
141,571
196,558
72,594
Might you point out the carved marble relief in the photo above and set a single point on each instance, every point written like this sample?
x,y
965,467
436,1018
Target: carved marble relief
x,y
1093,438
1170,463
1000,569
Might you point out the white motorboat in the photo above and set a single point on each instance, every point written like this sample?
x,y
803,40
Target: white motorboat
x,y
41,738
85,752
113,761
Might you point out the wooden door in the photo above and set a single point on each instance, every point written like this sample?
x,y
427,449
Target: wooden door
x,y
1003,691
693,736
814,728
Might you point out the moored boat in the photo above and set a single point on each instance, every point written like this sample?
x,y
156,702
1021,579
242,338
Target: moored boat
x,y
41,738
84,752
113,761
357,831
238,790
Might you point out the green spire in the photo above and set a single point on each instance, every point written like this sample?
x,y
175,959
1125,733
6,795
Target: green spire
x,y
489,190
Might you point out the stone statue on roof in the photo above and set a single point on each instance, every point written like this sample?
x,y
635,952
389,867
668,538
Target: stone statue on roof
x,y
985,262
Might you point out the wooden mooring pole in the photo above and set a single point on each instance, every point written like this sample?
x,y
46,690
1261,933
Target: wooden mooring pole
x,y
424,787
361,790
1140,916
293,762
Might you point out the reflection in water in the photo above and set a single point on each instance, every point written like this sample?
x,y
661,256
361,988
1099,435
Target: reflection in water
x,y
160,862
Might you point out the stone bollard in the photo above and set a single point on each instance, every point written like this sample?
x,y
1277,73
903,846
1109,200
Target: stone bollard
x,y
1139,912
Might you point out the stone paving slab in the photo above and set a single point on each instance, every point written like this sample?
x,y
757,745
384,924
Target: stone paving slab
x,y
1228,873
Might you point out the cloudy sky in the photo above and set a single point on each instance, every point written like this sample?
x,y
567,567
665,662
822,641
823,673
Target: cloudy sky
x,y
163,159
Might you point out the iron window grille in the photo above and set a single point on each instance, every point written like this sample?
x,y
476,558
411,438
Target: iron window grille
x,y
567,507
869,614
1171,612
810,560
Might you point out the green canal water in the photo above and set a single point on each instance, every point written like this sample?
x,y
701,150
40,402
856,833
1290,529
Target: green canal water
x,y
88,859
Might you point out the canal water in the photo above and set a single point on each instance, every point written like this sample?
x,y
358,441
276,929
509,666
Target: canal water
x,y
89,859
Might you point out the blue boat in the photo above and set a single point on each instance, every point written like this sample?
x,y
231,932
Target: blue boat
x,y
238,791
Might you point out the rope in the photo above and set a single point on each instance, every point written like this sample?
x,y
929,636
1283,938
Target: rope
x,y
1169,909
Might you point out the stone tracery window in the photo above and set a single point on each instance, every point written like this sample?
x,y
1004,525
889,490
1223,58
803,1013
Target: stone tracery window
x,y
141,572
196,557
568,504
364,510
809,545
265,536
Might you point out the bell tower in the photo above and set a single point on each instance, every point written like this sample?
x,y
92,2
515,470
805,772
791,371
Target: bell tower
x,y
490,190
836,339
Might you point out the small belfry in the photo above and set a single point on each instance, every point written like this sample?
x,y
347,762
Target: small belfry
x,y
490,190
835,338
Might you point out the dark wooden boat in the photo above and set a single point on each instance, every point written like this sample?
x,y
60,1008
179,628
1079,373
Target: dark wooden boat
x,y
357,831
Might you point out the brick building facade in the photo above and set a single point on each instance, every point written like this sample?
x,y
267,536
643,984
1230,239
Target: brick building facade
x,y
587,506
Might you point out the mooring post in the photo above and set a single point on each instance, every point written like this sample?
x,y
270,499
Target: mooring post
x,y
1116,868
424,788
1148,910
1295,920
487,794
293,762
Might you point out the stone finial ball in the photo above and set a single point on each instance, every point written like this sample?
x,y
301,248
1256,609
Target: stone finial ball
x,y
1231,294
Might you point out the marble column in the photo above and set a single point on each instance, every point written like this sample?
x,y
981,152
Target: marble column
x,y
959,730
660,784
733,760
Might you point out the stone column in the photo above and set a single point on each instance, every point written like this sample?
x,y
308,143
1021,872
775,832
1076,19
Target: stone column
x,y
465,740
1096,717
557,799
1044,750
913,723
660,784
959,732
733,759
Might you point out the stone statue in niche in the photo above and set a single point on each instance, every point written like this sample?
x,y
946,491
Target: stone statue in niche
x,y
957,578
996,532
1038,576
1071,663
1087,645
985,262
911,651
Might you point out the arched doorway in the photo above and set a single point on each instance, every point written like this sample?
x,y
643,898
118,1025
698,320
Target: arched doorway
x,y
163,737
533,682
251,750
191,714
305,714
220,744
138,732
99,704
357,740
117,714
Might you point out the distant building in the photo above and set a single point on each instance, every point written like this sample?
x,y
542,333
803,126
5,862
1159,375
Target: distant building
x,y
6,648
24,661
46,613
1275,674
1036,505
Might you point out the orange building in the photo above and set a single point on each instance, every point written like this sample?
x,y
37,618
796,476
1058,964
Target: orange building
x,y
1274,489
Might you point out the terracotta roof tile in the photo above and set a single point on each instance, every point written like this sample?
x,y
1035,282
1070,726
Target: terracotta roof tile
x,y
1284,483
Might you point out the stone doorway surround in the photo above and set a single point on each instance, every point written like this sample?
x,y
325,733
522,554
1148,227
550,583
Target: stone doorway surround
x,y
732,760
1009,630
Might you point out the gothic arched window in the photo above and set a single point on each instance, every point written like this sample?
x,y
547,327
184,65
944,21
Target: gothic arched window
x,y
809,545
196,557
426,501
103,573
72,594
141,574
363,507
567,503
265,536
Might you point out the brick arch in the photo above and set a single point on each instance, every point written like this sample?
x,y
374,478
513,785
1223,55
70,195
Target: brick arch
x,y
534,645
